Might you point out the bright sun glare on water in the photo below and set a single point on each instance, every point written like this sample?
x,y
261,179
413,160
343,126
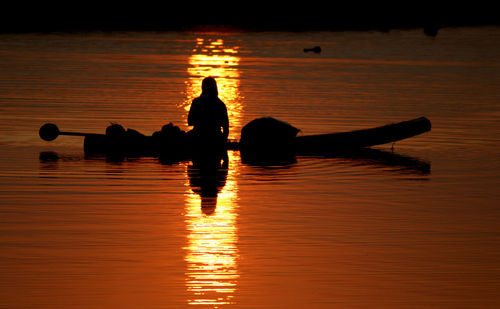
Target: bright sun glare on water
x,y
211,58
211,252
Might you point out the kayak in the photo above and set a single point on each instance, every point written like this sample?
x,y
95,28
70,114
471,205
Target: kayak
x,y
182,145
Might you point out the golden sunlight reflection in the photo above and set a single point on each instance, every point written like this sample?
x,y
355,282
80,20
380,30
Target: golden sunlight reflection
x,y
212,58
211,251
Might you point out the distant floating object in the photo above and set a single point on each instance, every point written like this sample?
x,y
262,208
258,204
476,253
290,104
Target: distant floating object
x,y
431,29
384,29
315,49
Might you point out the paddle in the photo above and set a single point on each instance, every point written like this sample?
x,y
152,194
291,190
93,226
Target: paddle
x,y
49,132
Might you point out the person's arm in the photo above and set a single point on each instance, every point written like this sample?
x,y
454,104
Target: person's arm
x,y
191,115
225,131
225,124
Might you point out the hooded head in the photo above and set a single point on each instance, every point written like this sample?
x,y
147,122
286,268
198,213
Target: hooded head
x,y
209,87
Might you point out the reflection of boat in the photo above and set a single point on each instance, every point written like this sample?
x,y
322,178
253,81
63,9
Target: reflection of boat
x,y
208,180
179,148
380,158
359,157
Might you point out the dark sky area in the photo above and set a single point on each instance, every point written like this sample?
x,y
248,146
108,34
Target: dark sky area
x,y
298,16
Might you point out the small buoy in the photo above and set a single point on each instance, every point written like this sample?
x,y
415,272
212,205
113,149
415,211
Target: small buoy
x,y
49,132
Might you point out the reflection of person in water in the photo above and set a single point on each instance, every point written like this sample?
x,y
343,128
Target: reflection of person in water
x,y
208,115
207,177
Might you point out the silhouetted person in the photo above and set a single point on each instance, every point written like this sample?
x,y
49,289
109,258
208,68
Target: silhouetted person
x,y
208,116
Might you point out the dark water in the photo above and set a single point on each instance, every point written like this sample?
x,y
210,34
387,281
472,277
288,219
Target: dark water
x,y
417,227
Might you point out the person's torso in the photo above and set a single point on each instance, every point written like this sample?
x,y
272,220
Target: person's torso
x,y
210,115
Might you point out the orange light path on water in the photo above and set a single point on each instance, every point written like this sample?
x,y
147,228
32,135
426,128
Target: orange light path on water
x,y
211,58
211,250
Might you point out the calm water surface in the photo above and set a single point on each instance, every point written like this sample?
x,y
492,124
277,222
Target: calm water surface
x,y
417,227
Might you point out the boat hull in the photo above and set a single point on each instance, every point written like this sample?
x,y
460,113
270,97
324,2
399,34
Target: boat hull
x,y
335,142
301,145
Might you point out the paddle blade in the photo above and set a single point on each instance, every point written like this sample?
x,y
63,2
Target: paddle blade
x,y
49,132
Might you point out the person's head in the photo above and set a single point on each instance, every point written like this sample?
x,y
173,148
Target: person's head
x,y
209,87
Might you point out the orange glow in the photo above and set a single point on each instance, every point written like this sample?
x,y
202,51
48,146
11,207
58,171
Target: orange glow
x,y
212,273
212,255
211,58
